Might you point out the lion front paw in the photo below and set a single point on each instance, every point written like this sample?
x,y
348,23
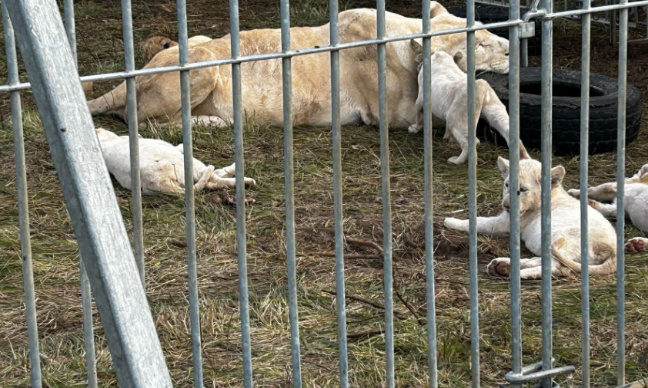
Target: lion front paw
x,y
499,267
414,128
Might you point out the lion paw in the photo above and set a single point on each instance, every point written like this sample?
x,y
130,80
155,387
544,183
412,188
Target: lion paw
x,y
454,223
414,128
457,159
637,244
500,267
574,193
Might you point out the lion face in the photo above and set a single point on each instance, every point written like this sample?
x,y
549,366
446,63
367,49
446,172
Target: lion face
x,y
491,53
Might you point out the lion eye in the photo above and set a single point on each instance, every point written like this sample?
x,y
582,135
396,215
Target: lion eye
x,y
506,184
523,189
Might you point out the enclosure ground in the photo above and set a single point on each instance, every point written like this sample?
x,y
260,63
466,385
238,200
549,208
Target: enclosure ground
x,y
55,252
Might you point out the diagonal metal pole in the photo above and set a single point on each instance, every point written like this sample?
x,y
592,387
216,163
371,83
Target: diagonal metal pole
x,y
98,225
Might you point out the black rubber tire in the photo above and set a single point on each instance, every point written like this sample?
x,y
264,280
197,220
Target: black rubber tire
x,y
566,110
500,14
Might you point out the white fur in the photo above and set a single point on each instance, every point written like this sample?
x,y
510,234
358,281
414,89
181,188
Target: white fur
x,y
565,226
450,102
635,202
161,166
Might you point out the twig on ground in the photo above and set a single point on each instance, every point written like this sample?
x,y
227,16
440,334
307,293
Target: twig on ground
x,y
410,308
364,333
397,314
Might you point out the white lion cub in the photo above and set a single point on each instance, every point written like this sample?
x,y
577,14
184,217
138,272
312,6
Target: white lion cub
x,y
161,166
635,202
565,226
450,101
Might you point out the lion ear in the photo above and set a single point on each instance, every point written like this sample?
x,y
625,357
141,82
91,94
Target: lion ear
x,y
459,55
437,9
643,173
416,46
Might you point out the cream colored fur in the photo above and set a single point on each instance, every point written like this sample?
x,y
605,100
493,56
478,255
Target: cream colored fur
x,y
635,203
155,44
449,86
161,166
158,96
565,226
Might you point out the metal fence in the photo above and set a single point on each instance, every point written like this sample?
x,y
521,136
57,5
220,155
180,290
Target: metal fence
x,y
129,329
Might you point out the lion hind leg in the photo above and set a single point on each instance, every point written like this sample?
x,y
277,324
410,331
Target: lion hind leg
x,y
637,244
609,210
204,178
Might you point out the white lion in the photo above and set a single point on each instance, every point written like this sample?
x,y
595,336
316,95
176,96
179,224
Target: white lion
x,y
565,226
635,202
161,166
450,101
158,95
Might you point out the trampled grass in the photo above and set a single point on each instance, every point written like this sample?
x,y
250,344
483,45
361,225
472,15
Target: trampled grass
x,y
55,253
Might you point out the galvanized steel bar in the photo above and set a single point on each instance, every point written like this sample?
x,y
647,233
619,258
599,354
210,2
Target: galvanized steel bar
x,y
289,171
23,200
514,184
472,196
386,197
133,139
429,209
584,165
88,330
86,293
546,141
90,199
338,211
362,43
241,245
190,212
621,134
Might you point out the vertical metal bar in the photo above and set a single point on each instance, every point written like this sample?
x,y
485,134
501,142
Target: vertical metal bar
x,y
131,105
338,211
514,184
429,209
86,293
621,134
98,225
386,198
290,194
546,141
240,194
88,330
23,201
584,165
190,213
472,196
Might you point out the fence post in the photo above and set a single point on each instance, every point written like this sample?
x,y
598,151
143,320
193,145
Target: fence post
x,y
90,199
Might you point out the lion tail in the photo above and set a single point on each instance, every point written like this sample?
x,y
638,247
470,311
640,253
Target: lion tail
x,y
109,102
204,179
606,255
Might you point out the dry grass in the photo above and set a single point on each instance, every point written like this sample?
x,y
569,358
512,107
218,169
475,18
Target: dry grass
x,y
56,261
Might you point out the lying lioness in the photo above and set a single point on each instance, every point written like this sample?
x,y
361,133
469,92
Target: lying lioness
x,y
161,166
158,96
635,202
565,226
450,101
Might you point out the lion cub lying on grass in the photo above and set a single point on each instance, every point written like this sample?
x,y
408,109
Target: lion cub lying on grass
x,y
565,226
635,203
450,101
161,166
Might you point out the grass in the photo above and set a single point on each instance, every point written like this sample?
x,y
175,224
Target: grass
x,y
55,254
